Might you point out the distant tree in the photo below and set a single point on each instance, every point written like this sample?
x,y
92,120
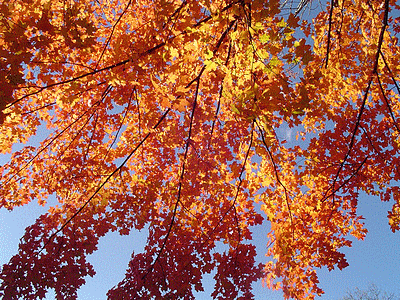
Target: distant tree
x,y
372,293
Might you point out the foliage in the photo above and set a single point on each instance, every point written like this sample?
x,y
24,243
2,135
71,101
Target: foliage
x,y
172,116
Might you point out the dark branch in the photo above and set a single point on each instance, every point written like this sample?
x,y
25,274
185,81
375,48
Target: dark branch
x,y
106,180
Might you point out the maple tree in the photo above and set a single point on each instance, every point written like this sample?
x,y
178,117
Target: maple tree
x,y
171,116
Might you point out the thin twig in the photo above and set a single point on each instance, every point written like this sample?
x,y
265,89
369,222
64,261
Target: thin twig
x,y
275,166
364,101
329,34
112,32
105,181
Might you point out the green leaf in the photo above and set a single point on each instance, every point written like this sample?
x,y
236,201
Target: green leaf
x,y
264,38
274,62
209,54
298,112
282,23
235,109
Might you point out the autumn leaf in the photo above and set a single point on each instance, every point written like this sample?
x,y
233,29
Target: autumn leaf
x,y
176,117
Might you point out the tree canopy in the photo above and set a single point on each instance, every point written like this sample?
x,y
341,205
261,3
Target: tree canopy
x,y
172,116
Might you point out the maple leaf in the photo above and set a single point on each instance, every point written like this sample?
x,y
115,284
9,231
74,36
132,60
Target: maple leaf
x,y
169,116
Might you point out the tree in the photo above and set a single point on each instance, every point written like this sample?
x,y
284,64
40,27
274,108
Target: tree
x,y
373,293
171,116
